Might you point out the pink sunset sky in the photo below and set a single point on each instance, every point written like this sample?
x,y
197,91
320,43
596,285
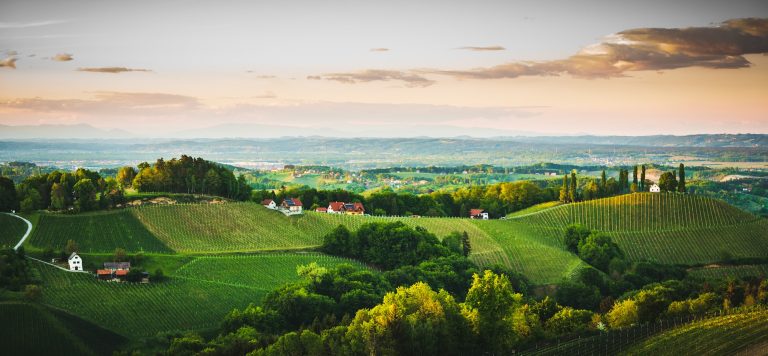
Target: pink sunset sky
x,y
387,68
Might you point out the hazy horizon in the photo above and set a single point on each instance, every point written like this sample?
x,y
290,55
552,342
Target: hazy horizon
x,y
394,69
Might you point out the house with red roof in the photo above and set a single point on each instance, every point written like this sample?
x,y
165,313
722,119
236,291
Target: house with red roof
x,y
478,214
269,204
292,206
335,207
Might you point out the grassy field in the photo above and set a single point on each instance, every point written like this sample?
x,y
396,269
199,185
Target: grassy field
x,y
722,335
96,232
12,230
261,271
29,329
196,297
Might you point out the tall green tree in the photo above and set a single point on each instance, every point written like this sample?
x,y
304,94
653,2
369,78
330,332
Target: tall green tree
x,y
465,246
681,179
564,190
642,178
9,200
667,182
58,197
634,175
85,195
491,303
125,176
572,191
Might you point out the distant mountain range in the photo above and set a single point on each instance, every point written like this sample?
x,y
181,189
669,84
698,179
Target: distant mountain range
x,y
258,132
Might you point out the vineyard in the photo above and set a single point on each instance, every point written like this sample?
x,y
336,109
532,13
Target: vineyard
x,y
197,297
263,271
208,228
667,228
95,232
12,230
138,310
727,334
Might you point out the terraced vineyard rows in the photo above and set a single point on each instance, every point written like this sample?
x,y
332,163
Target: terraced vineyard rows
x,y
137,310
12,230
716,336
96,232
668,228
262,271
647,212
223,227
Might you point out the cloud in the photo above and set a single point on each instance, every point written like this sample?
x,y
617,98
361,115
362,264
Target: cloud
x,y
718,47
107,103
410,78
265,95
62,57
482,49
11,53
13,25
113,70
380,49
8,63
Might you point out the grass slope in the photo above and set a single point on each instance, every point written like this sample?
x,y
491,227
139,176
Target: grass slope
x,y
668,228
262,271
29,329
232,227
96,232
725,272
11,230
534,209
196,298
715,336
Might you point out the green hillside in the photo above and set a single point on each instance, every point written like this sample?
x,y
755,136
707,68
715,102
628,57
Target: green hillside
x,y
725,272
668,228
96,232
12,230
722,335
29,329
197,298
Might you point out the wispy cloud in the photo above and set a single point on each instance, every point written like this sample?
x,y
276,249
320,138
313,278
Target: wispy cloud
x,y
107,102
8,63
62,57
113,70
13,25
723,46
410,78
483,49
380,49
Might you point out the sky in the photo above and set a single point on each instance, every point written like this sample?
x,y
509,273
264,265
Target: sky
x,y
386,68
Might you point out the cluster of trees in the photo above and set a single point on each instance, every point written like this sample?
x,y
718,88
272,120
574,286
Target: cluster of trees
x,y
673,181
186,175
82,190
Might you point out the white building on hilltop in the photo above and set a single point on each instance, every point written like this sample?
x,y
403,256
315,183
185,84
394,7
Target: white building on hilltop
x,y
655,188
75,262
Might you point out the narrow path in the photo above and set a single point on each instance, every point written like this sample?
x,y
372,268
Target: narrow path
x,y
24,238
29,230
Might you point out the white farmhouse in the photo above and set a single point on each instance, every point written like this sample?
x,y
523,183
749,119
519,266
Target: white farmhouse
x,y
75,262
269,204
655,188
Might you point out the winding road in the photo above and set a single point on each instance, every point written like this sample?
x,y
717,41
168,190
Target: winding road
x,y
29,230
24,238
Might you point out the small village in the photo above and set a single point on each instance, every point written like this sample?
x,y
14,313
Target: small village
x,y
112,271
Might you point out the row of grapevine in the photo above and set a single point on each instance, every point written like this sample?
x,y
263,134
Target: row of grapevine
x,y
643,212
725,272
95,232
138,310
28,329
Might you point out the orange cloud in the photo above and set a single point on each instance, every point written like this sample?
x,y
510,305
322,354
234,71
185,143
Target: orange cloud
x,y
483,49
370,75
113,70
62,57
9,62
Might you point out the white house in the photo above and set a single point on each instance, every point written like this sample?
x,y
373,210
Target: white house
x,y
269,204
292,205
478,214
655,188
75,262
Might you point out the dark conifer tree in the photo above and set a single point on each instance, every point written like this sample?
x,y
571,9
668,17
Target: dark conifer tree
x,y
681,179
642,178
